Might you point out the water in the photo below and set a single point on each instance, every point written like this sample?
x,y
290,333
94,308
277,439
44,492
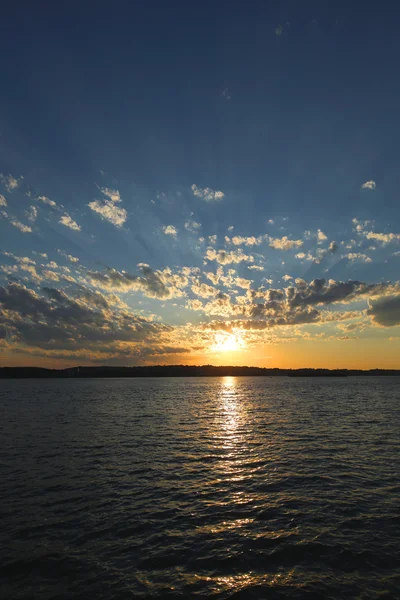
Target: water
x,y
214,487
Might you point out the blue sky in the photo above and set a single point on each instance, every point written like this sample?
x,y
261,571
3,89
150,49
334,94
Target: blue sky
x,y
198,140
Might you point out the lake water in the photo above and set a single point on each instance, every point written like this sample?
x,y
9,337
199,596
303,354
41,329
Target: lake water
x,y
212,487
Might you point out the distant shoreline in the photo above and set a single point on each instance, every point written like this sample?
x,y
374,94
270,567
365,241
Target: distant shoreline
x,y
183,371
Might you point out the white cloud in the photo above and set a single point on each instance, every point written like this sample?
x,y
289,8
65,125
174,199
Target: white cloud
x,y
107,209
170,230
304,256
10,182
204,290
207,194
47,201
68,222
32,213
287,277
212,239
230,228
271,222
238,240
385,238
114,195
369,185
243,283
226,258
21,226
3,201
192,225
255,268
284,243
359,256
71,258
321,236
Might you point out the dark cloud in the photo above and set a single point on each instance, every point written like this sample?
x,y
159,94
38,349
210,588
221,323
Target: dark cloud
x,y
57,321
149,282
385,311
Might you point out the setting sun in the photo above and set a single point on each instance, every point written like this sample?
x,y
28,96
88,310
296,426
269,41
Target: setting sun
x,y
228,342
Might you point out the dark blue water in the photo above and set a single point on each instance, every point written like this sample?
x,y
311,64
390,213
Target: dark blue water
x,y
214,487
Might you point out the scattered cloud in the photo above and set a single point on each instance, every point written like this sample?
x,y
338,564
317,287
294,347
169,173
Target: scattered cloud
x,y
23,228
224,257
71,258
321,236
192,225
47,201
207,194
107,208
238,240
170,230
32,213
68,222
385,238
113,195
359,256
3,201
153,284
10,182
284,243
255,267
369,185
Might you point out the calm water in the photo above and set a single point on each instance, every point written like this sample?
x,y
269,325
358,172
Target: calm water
x,y
214,487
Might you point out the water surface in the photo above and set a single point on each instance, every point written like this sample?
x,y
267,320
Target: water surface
x,y
212,487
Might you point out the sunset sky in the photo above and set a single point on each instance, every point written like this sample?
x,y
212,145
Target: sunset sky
x,y
200,183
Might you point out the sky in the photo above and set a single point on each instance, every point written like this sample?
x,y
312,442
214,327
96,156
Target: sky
x,y
200,183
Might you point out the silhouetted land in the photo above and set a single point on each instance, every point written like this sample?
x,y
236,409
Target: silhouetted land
x,y
183,371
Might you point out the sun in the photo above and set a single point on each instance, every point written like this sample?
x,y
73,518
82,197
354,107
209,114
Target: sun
x,y
228,342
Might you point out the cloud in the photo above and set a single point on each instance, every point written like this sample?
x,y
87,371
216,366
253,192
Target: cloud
x,y
10,182
321,236
385,238
287,277
3,201
333,247
212,239
353,256
68,222
203,290
238,240
113,195
153,284
107,209
284,243
21,226
192,225
32,213
170,230
255,267
369,185
207,194
71,258
385,311
47,201
224,257
243,283
56,320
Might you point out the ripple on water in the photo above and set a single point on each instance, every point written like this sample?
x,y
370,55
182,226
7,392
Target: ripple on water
x,y
225,488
